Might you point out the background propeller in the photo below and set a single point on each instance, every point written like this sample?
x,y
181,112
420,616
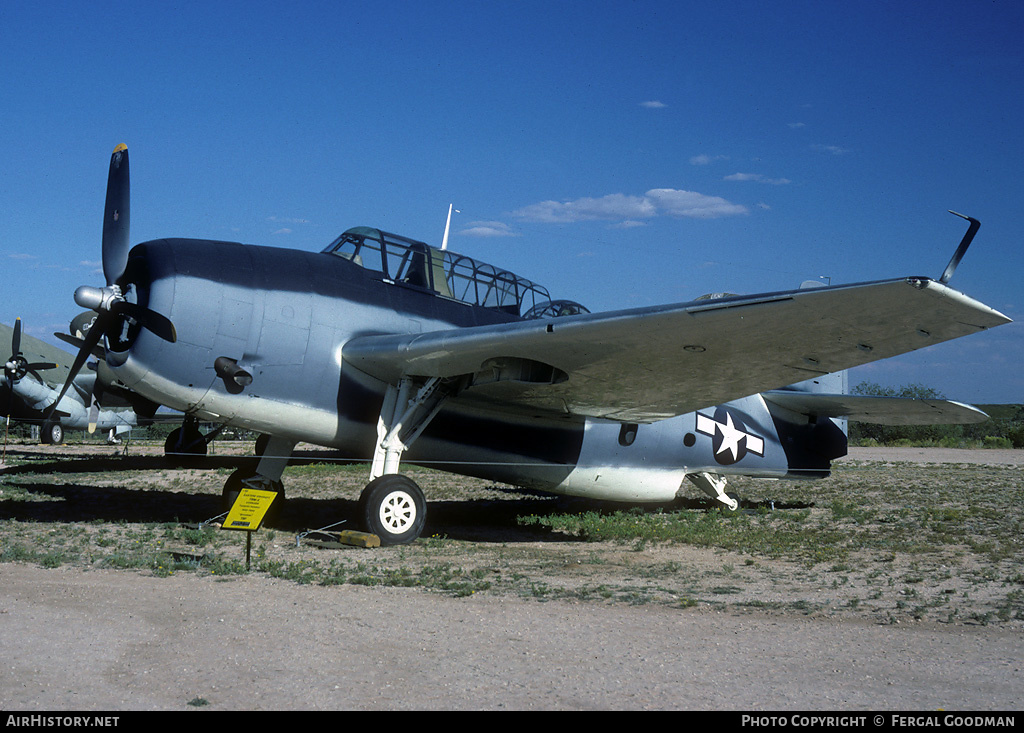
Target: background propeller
x,y
17,366
109,302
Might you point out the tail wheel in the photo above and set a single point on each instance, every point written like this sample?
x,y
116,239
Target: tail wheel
x,y
393,508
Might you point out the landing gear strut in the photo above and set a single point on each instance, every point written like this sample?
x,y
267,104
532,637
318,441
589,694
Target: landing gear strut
x,y
713,485
392,506
266,476
247,478
187,440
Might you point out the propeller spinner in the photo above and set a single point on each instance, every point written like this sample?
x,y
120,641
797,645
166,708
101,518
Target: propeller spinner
x,y
109,302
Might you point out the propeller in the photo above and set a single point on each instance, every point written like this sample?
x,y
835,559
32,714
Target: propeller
x,y
108,302
17,366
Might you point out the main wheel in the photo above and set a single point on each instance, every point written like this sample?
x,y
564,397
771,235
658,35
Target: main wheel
x,y
393,508
52,433
243,478
185,440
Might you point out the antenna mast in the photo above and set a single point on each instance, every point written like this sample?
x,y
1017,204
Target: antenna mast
x,y
447,226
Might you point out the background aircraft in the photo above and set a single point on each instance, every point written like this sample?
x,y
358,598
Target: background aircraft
x,y
387,349
31,380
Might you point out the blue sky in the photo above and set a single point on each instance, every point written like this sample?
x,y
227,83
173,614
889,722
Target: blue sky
x,y
620,153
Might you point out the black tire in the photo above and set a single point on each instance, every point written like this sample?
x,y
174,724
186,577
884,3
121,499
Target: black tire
x,y
393,508
236,482
52,433
183,443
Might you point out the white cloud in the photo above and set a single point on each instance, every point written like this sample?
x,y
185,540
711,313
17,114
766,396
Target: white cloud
x,y
693,205
707,159
653,104
757,177
632,209
286,220
612,206
833,149
487,229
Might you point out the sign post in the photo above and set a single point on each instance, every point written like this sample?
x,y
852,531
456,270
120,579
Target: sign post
x,y
247,515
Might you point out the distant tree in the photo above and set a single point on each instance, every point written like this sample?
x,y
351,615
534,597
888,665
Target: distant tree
x,y
913,391
861,432
1004,428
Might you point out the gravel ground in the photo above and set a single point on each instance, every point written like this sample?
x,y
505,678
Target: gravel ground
x,y
80,640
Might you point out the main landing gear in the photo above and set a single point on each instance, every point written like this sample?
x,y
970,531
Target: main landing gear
x,y
188,440
274,454
391,506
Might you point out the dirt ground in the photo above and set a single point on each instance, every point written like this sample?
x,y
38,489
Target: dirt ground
x,y
109,640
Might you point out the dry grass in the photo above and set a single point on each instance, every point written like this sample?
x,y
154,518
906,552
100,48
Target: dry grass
x,y
883,541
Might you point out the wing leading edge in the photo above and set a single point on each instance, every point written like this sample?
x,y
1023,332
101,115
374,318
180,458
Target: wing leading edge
x,y
648,364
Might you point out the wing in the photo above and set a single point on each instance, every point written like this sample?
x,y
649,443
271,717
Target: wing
x,y
652,363
877,410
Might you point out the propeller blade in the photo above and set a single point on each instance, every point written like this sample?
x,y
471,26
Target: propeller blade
x,y
16,338
149,319
94,414
77,343
88,343
41,366
116,217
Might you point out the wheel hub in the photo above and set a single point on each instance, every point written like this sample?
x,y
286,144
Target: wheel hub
x,y
398,512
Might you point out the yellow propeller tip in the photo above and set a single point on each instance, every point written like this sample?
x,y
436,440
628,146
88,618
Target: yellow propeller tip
x,y
120,148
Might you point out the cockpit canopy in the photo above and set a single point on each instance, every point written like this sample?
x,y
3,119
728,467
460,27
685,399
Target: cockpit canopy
x,y
555,309
445,273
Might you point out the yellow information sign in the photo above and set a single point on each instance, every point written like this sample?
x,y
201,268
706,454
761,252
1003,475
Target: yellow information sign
x,y
249,509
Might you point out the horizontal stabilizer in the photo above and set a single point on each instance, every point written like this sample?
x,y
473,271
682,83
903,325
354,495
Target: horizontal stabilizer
x,y
877,410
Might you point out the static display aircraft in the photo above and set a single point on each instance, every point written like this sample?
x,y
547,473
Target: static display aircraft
x,y
390,350
32,378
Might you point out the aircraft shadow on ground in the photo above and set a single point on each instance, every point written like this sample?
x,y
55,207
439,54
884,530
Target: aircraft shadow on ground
x,y
471,519
476,520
